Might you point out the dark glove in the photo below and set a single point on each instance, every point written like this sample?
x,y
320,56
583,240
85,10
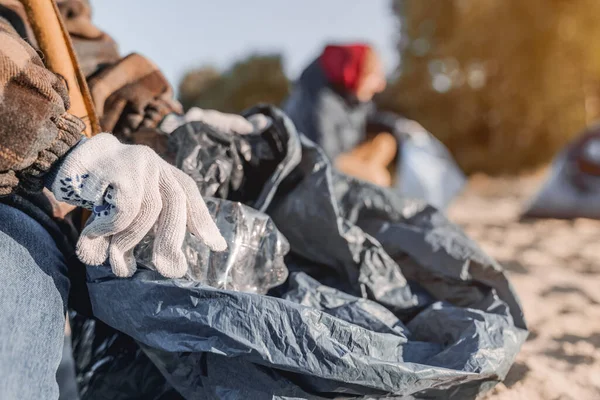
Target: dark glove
x,y
95,49
132,94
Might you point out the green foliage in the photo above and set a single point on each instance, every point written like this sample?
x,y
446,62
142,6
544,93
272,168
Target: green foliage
x,y
256,79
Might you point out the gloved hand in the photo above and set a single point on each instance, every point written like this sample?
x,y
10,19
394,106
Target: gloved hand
x,y
130,189
223,122
132,94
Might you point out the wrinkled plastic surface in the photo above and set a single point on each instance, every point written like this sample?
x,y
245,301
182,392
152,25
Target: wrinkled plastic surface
x,y
244,168
111,366
426,169
385,298
65,375
560,197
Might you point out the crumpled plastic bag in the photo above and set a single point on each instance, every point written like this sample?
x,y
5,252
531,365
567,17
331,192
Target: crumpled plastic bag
x,y
569,192
253,261
245,168
425,168
385,296
111,366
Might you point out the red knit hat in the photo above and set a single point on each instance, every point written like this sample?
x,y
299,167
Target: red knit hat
x,y
343,64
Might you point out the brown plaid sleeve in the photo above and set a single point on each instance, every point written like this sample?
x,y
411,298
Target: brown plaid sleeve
x,y
35,129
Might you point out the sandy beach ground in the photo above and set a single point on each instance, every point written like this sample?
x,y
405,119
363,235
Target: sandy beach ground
x,y
555,267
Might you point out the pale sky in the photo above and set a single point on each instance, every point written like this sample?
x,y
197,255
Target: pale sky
x,y
180,34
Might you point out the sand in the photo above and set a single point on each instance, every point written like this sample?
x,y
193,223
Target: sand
x,y
555,268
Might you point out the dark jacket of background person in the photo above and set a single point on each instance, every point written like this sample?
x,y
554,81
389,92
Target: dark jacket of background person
x,y
333,119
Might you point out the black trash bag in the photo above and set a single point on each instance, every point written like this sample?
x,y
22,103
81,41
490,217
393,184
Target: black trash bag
x,y
425,168
389,238
111,366
65,375
209,156
386,298
245,168
572,189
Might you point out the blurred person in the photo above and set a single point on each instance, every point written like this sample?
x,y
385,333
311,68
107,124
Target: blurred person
x,y
331,104
45,162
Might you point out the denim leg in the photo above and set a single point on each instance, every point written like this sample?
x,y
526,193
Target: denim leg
x,y
33,295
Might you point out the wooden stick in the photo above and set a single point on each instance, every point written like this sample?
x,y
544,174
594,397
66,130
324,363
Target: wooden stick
x,y
59,57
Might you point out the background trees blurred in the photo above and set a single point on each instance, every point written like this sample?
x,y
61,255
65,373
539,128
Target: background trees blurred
x,y
503,83
256,79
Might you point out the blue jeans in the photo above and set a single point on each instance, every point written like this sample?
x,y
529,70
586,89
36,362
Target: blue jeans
x,y
33,298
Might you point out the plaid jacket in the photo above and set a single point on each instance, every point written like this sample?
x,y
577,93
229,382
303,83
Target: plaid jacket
x,y
35,129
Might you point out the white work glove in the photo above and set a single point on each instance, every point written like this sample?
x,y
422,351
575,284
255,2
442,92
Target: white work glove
x,y
130,188
222,122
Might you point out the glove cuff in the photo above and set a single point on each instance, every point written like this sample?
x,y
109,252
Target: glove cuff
x,y
69,134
